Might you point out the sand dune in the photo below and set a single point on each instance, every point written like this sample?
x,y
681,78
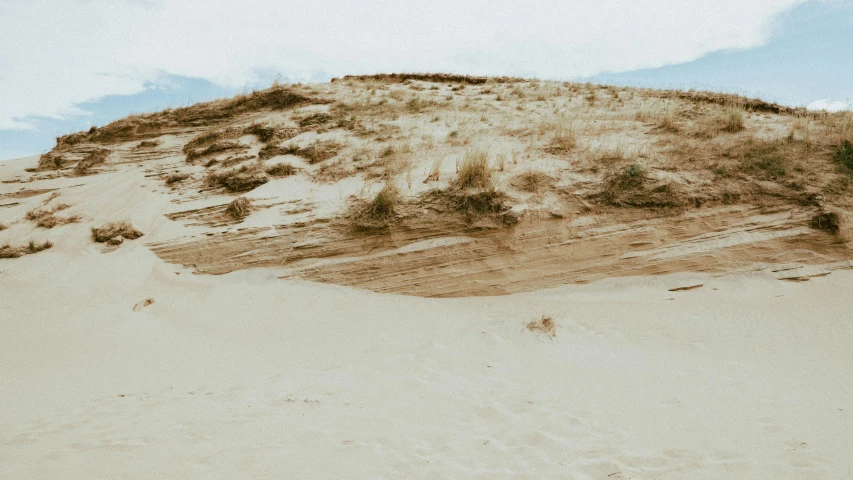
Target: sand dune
x,y
699,298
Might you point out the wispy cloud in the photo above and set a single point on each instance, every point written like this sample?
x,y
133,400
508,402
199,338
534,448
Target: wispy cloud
x,y
57,54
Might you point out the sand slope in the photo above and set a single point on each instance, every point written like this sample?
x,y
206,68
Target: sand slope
x,y
246,375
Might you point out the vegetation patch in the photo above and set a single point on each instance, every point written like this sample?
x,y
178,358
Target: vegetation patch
x,y
241,179
474,171
532,182
827,221
281,170
176,177
107,232
239,208
96,157
631,188
545,325
843,156
379,212
46,218
8,251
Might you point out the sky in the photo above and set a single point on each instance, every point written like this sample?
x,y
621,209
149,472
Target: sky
x,y
66,65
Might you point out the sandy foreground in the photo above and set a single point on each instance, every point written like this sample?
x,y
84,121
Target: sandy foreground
x,y
246,375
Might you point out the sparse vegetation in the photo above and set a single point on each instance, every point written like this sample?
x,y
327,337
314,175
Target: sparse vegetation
x,y
281,170
734,118
241,179
8,251
843,156
532,182
176,177
827,221
545,325
46,218
474,172
94,158
239,208
109,231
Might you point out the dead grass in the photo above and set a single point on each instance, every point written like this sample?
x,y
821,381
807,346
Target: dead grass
x,y
8,251
281,170
176,177
319,151
147,144
215,149
94,158
827,221
377,213
105,233
734,118
532,182
630,187
474,171
243,179
545,325
239,208
46,218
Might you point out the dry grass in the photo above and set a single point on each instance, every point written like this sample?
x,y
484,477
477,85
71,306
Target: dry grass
x,y
827,221
545,325
319,151
94,158
215,149
532,182
734,115
377,213
563,139
115,229
281,170
243,179
8,251
46,218
474,171
176,177
147,144
239,208
667,117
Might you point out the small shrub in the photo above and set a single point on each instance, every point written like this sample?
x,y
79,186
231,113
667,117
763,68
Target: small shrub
x,y
2,227
385,203
827,221
240,208
115,229
242,179
281,170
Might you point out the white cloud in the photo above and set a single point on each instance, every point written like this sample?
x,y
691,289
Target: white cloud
x,y
825,104
56,54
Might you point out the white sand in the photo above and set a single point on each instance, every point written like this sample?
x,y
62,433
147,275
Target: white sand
x,y
248,376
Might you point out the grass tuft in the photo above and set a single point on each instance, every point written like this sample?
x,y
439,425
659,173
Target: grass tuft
x,y
115,229
240,208
474,172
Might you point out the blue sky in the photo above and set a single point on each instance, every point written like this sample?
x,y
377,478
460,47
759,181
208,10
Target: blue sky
x,y
67,65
